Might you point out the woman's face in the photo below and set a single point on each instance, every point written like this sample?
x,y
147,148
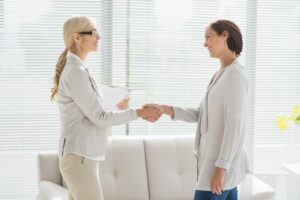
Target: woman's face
x,y
216,44
89,40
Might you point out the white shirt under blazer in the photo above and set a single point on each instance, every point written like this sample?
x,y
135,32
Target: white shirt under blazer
x,y
83,118
221,118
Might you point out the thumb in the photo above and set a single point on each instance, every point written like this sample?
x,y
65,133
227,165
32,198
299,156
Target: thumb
x,y
149,105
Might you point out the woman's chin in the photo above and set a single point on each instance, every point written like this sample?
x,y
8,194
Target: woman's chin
x,y
212,55
95,49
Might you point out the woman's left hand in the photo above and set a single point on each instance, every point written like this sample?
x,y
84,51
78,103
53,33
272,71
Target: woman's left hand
x,y
123,105
217,180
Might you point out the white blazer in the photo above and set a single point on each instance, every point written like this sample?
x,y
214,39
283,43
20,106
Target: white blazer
x,y
221,118
83,118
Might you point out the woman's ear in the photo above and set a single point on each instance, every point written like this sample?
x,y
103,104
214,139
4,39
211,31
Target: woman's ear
x,y
76,38
225,34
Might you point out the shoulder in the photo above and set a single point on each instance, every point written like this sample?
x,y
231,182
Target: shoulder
x,y
73,74
74,69
236,74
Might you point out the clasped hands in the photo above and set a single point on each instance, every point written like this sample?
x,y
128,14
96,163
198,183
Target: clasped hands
x,y
149,112
152,112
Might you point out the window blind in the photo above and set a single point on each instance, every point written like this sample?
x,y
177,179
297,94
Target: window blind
x,y
277,83
31,40
155,48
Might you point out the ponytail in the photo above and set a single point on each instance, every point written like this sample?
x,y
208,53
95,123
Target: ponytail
x,y
58,70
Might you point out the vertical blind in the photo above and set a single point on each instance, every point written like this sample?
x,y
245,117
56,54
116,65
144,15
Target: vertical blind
x,y
154,47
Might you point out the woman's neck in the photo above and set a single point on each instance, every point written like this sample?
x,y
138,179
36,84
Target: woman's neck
x,y
227,59
81,55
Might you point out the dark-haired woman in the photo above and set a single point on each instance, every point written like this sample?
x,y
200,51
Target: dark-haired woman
x,y
221,117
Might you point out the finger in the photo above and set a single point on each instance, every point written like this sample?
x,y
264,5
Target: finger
x,y
150,119
154,106
213,188
149,105
155,119
155,115
157,110
152,111
220,188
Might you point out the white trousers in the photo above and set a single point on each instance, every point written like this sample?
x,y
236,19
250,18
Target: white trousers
x,y
82,177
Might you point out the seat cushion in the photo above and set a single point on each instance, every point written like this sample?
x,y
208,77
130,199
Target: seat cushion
x,y
51,191
171,167
123,174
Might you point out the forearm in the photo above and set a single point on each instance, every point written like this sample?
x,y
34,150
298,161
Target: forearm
x,y
109,118
186,114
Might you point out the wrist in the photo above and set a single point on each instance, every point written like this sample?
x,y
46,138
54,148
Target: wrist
x,y
219,169
168,110
139,112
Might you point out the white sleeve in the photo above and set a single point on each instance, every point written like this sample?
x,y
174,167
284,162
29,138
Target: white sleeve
x,y
235,106
86,98
187,114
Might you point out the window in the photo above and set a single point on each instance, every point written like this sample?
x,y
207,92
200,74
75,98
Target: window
x,y
154,47
31,41
277,82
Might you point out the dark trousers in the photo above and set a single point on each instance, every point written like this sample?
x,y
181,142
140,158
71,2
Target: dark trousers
x,y
208,195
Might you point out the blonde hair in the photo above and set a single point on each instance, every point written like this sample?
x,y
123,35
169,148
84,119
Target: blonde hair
x,y
72,25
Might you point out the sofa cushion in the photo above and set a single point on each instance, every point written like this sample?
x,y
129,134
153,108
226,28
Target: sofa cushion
x,y
123,174
51,191
171,167
254,189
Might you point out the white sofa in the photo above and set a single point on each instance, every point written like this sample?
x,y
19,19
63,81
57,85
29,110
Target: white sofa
x,y
144,168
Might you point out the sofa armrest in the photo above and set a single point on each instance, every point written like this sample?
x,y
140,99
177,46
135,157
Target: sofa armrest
x,y
51,191
48,169
253,188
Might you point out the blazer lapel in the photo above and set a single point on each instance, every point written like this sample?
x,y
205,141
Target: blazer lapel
x,y
204,118
93,83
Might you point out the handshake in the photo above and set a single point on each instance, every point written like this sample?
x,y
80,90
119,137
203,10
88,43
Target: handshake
x,y
152,112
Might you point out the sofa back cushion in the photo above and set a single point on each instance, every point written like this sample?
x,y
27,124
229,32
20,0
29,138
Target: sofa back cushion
x,y
123,174
171,167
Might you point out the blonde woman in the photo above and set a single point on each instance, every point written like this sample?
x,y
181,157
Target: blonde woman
x,y
82,115
221,117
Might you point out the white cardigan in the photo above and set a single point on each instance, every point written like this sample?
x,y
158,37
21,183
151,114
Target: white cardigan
x,y
82,115
221,118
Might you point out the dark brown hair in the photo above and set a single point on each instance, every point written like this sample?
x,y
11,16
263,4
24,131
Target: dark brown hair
x,y
234,40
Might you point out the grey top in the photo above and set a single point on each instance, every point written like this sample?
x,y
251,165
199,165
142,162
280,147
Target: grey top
x,y
82,116
221,118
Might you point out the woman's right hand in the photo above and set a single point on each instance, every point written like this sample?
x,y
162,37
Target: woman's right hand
x,y
165,109
150,113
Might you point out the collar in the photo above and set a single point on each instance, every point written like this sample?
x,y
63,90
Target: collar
x,y
234,62
76,59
